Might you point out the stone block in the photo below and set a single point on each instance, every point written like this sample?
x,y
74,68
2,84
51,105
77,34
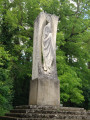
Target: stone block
x,y
44,92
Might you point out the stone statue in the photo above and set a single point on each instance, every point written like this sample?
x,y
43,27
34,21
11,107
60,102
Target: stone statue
x,y
44,86
44,47
47,48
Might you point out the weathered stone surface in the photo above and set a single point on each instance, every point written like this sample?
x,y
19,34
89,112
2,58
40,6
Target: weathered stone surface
x,y
49,107
88,115
88,112
44,86
38,111
44,47
34,112
40,115
44,92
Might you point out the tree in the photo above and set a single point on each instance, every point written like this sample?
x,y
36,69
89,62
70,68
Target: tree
x,y
6,83
75,30
17,37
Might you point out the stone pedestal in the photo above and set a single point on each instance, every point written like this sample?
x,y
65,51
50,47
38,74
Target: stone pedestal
x,y
44,92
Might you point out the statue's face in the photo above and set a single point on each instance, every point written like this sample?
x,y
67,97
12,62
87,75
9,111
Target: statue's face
x,y
47,31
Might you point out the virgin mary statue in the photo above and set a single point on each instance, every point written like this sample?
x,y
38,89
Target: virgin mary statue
x,y
47,48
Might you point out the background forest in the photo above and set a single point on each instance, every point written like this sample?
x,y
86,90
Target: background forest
x,y
16,45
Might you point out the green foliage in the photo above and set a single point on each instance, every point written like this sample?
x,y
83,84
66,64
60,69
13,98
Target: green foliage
x,y
71,87
74,56
17,38
73,41
5,82
70,83
50,6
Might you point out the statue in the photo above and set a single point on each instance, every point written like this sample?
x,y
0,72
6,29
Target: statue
x,y
44,47
47,48
44,86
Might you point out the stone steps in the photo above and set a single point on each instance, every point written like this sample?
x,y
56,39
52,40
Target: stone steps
x,y
88,112
7,118
47,111
88,115
12,118
36,115
34,112
49,107
56,116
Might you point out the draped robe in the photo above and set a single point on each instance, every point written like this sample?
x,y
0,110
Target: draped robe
x,y
47,48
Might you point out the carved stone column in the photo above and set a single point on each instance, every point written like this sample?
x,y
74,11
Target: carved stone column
x,y
44,86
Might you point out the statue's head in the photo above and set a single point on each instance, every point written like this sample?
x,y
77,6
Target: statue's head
x,y
48,19
47,29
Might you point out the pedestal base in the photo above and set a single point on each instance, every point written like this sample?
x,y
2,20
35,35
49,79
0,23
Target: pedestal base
x,y
44,92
